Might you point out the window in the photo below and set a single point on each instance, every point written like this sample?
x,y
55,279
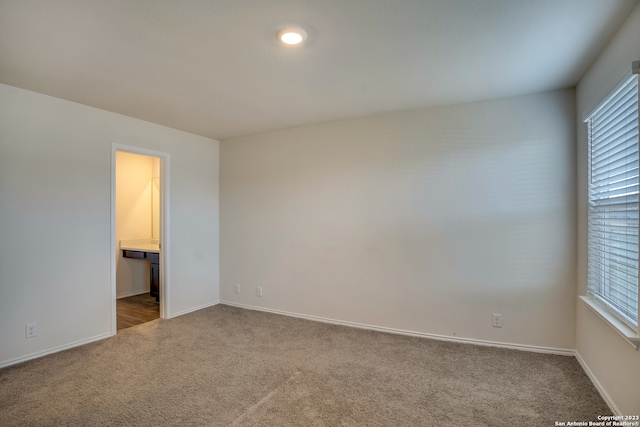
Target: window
x,y
613,203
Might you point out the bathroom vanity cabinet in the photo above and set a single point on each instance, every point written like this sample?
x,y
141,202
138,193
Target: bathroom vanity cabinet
x,y
154,261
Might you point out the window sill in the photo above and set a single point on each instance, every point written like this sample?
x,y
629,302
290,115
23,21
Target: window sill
x,y
620,327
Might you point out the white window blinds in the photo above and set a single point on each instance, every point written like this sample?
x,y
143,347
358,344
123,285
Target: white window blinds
x,y
613,202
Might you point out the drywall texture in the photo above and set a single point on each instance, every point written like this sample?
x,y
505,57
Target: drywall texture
x,y
427,220
134,217
55,243
613,362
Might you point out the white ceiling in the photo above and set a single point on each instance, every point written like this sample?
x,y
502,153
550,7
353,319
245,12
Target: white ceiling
x,y
214,67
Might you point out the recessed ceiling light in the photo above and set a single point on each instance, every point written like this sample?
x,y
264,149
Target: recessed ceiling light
x,y
291,35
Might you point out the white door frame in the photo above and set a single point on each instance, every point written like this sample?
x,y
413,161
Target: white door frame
x,y
165,306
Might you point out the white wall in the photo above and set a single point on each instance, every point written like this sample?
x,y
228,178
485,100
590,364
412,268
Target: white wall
x,y
610,359
426,221
55,245
134,213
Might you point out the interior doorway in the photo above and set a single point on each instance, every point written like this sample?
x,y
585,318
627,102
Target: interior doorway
x,y
139,235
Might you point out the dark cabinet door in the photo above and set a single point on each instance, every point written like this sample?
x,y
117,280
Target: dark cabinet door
x,y
155,281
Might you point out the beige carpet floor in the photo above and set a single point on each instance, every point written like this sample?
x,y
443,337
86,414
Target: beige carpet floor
x,y
225,366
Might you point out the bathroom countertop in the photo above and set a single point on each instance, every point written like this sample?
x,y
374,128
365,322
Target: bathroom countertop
x,y
142,245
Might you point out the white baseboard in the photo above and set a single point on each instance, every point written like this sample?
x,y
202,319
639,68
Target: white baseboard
x,y
132,293
192,309
523,347
605,396
54,350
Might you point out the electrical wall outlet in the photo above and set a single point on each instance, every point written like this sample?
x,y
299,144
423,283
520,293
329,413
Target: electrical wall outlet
x,y
497,320
236,288
30,330
259,291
